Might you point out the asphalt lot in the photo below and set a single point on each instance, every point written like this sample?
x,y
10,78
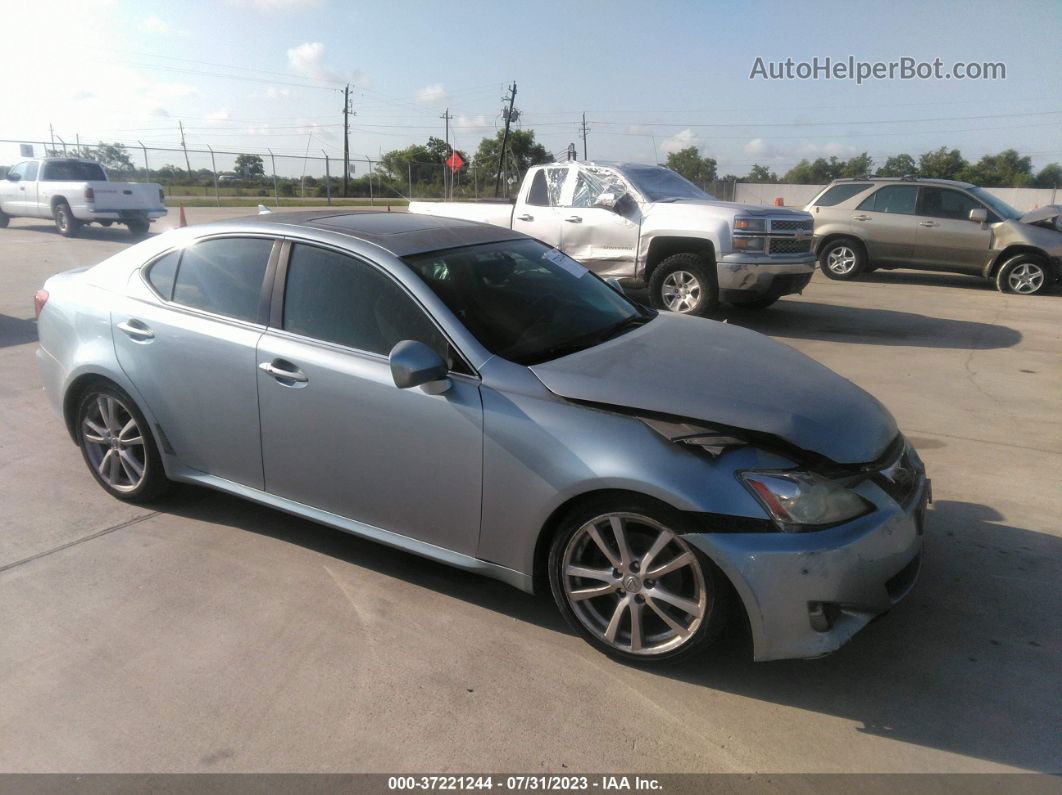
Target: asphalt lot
x,y
210,634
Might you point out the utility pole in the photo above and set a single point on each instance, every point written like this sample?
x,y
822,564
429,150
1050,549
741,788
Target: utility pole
x,y
51,132
346,137
585,131
447,193
505,139
185,148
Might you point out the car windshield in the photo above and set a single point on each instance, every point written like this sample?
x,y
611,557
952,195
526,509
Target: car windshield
x,y
1000,207
525,301
659,184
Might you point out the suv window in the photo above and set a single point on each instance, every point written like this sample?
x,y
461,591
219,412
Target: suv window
x,y
335,298
892,199
223,276
840,193
945,203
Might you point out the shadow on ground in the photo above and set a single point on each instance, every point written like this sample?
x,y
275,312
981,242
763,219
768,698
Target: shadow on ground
x,y
968,664
112,233
16,331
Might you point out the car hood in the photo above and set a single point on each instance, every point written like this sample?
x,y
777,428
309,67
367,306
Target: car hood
x,y
1041,214
718,373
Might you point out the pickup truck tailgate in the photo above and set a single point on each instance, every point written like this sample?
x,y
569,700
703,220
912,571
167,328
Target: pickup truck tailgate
x,y
112,196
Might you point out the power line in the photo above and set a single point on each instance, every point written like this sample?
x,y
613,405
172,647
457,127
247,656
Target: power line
x,y
832,123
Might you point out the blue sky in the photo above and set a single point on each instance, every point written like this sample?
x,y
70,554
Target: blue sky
x,y
650,76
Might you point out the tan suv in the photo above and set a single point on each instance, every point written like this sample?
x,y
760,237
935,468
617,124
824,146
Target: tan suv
x,y
935,225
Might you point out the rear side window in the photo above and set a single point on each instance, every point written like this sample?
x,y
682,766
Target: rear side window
x,y
161,274
223,276
537,195
72,171
336,298
840,193
892,199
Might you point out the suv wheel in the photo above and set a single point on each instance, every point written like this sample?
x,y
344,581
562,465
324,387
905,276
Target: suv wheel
x,y
1025,274
685,283
842,259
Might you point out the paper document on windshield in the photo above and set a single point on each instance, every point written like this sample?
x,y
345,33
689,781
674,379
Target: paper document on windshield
x,y
566,262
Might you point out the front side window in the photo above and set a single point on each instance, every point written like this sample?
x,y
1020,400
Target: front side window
x,y
19,171
892,199
335,298
525,301
223,276
31,171
944,203
840,193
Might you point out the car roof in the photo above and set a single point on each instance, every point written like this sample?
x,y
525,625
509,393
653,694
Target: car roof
x,y
951,183
401,233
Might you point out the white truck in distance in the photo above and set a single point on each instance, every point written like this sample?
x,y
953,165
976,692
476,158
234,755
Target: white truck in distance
x,y
647,226
74,192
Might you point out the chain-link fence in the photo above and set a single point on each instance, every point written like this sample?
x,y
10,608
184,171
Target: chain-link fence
x,y
214,175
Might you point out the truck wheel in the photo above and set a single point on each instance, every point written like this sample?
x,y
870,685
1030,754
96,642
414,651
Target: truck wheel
x,y
5,219
1025,274
65,222
759,303
842,259
685,283
138,228
106,223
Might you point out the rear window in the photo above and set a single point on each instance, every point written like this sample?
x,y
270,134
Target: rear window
x,y
72,171
223,276
839,193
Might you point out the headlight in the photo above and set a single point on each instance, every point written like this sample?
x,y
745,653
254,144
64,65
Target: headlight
x,y
750,224
748,243
800,501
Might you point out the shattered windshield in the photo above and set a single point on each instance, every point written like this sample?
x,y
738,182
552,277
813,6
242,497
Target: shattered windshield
x,y
657,184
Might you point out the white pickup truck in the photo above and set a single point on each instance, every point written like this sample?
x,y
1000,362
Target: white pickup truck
x,y
74,192
647,226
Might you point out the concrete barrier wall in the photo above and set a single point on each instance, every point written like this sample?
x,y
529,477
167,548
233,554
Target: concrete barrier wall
x,y
1023,199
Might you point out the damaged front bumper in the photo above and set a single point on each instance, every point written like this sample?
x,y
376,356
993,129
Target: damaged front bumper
x,y
750,277
806,594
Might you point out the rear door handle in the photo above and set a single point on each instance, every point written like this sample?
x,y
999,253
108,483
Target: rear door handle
x,y
136,329
928,223
574,219
284,371
525,217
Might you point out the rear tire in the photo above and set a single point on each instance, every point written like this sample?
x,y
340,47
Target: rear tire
x,y
685,283
1025,274
138,228
106,223
117,445
842,259
631,604
65,222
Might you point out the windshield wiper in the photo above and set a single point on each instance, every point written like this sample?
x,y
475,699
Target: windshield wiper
x,y
622,327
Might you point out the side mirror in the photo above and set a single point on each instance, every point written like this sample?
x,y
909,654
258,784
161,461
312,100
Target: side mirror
x,y
415,364
13,177
606,201
979,215
614,283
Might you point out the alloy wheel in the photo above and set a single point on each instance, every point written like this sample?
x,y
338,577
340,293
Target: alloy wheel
x,y
114,444
1026,278
841,260
681,291
634,584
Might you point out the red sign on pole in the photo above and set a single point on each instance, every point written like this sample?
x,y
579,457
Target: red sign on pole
x,y
455,161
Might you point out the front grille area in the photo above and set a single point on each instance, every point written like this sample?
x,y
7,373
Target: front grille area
x,y
785,245
791,226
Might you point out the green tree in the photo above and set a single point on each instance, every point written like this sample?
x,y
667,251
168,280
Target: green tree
x,y
1050,176
941,164
760,173
818,172
899,166
1008,169
523,152
689,163
858,166
113,157
249,166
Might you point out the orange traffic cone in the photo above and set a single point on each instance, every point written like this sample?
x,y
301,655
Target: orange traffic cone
x,y
183,221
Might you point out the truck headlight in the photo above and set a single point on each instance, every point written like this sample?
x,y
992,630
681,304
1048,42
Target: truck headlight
x,y
800,501
750,224
748,243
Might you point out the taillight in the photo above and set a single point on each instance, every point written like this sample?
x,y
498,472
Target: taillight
x,y
90,194
40,298
162,196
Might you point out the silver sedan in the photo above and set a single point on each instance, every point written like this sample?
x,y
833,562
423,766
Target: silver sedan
x,y
469,394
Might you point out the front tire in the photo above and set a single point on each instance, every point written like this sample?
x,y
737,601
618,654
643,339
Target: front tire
x,y
842,259
685,283
117,445
65,222
626,581
1025,274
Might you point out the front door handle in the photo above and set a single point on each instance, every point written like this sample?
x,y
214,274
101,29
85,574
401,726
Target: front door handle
x,y
574,219
136,329
525,217
860,217
284,371
928,223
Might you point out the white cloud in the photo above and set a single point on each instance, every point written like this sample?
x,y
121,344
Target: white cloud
x,y
160,112
277,92
154,25
218,115
307,60
278,5
432,93
173,90
682,140
473,125
758,147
